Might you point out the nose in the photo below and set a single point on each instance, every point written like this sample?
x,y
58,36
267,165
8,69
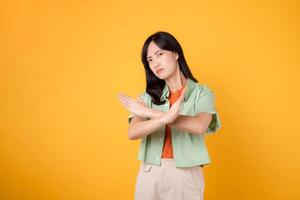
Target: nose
x,y
156,64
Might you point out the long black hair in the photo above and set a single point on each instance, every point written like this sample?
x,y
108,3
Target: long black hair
x,y
165,41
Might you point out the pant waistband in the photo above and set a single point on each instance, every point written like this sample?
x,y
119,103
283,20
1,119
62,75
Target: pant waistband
x,y
168,161
171,162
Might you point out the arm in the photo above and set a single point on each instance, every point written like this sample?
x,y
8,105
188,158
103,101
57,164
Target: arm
x,y
193,124
140,127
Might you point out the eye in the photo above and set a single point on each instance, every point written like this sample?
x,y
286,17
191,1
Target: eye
x,y
160,53
149,60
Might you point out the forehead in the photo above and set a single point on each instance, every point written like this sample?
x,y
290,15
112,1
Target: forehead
x,y
152,48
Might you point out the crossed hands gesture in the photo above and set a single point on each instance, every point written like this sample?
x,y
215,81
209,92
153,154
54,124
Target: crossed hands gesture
x,y
138,107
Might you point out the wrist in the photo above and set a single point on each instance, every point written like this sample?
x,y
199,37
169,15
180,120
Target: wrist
x,y
153,113
162,120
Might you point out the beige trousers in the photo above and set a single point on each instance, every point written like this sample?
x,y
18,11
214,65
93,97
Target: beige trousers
x,y
168,182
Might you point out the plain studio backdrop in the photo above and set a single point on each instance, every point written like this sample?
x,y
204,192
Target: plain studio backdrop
x,y
63,131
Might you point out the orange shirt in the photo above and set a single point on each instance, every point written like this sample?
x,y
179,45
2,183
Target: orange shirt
x,y
168,149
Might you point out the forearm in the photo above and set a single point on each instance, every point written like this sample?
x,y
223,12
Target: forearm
x,y
143,128
191,124
187,123
153,113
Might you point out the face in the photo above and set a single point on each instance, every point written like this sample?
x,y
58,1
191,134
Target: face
x,y
163,63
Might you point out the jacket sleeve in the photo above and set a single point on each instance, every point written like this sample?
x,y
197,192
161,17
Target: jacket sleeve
x,y
205,102
145,98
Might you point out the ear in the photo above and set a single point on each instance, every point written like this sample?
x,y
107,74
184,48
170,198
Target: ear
x,y
176,55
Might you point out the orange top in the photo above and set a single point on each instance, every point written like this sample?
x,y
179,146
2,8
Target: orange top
x,y
168,149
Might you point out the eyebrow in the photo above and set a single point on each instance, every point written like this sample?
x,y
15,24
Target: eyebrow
x,y
154,53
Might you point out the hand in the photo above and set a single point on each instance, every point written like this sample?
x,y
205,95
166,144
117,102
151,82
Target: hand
x,y
173,113
136,106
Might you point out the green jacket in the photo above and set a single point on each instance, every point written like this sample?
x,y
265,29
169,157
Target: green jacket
x,y
188,149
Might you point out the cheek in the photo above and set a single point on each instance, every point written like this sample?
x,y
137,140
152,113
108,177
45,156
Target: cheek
x,y
169,58
152,67
170,62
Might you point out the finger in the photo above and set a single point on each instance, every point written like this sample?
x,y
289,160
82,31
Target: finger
x,y
127,107
126,97
181,96
125,101
140,99
124,104
184,89
178,101
183,92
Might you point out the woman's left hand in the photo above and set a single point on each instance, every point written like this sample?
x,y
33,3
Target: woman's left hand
x,y
172,114
136,106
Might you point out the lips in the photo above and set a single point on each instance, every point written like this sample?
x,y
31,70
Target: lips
x,y
159,71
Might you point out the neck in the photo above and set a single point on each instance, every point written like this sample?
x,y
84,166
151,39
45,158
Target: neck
x,y
176,81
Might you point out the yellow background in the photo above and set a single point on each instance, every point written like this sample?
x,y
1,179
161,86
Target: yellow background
x,y
63,131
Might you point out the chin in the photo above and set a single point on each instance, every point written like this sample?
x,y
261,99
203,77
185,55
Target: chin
x,y
161,77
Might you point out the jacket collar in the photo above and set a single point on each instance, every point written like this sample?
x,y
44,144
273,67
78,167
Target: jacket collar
x,y
190,86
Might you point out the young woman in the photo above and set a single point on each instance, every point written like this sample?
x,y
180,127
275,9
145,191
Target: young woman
x,y
171,118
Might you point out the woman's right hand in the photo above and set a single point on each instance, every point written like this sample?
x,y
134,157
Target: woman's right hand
x,y
136,106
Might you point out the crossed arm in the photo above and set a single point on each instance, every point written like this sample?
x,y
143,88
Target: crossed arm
x,y
140,127
193,124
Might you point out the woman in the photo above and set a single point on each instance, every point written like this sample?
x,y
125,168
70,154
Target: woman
x,y
170,117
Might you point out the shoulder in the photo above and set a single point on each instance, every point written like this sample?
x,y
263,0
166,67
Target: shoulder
x,y
145,96
202,89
